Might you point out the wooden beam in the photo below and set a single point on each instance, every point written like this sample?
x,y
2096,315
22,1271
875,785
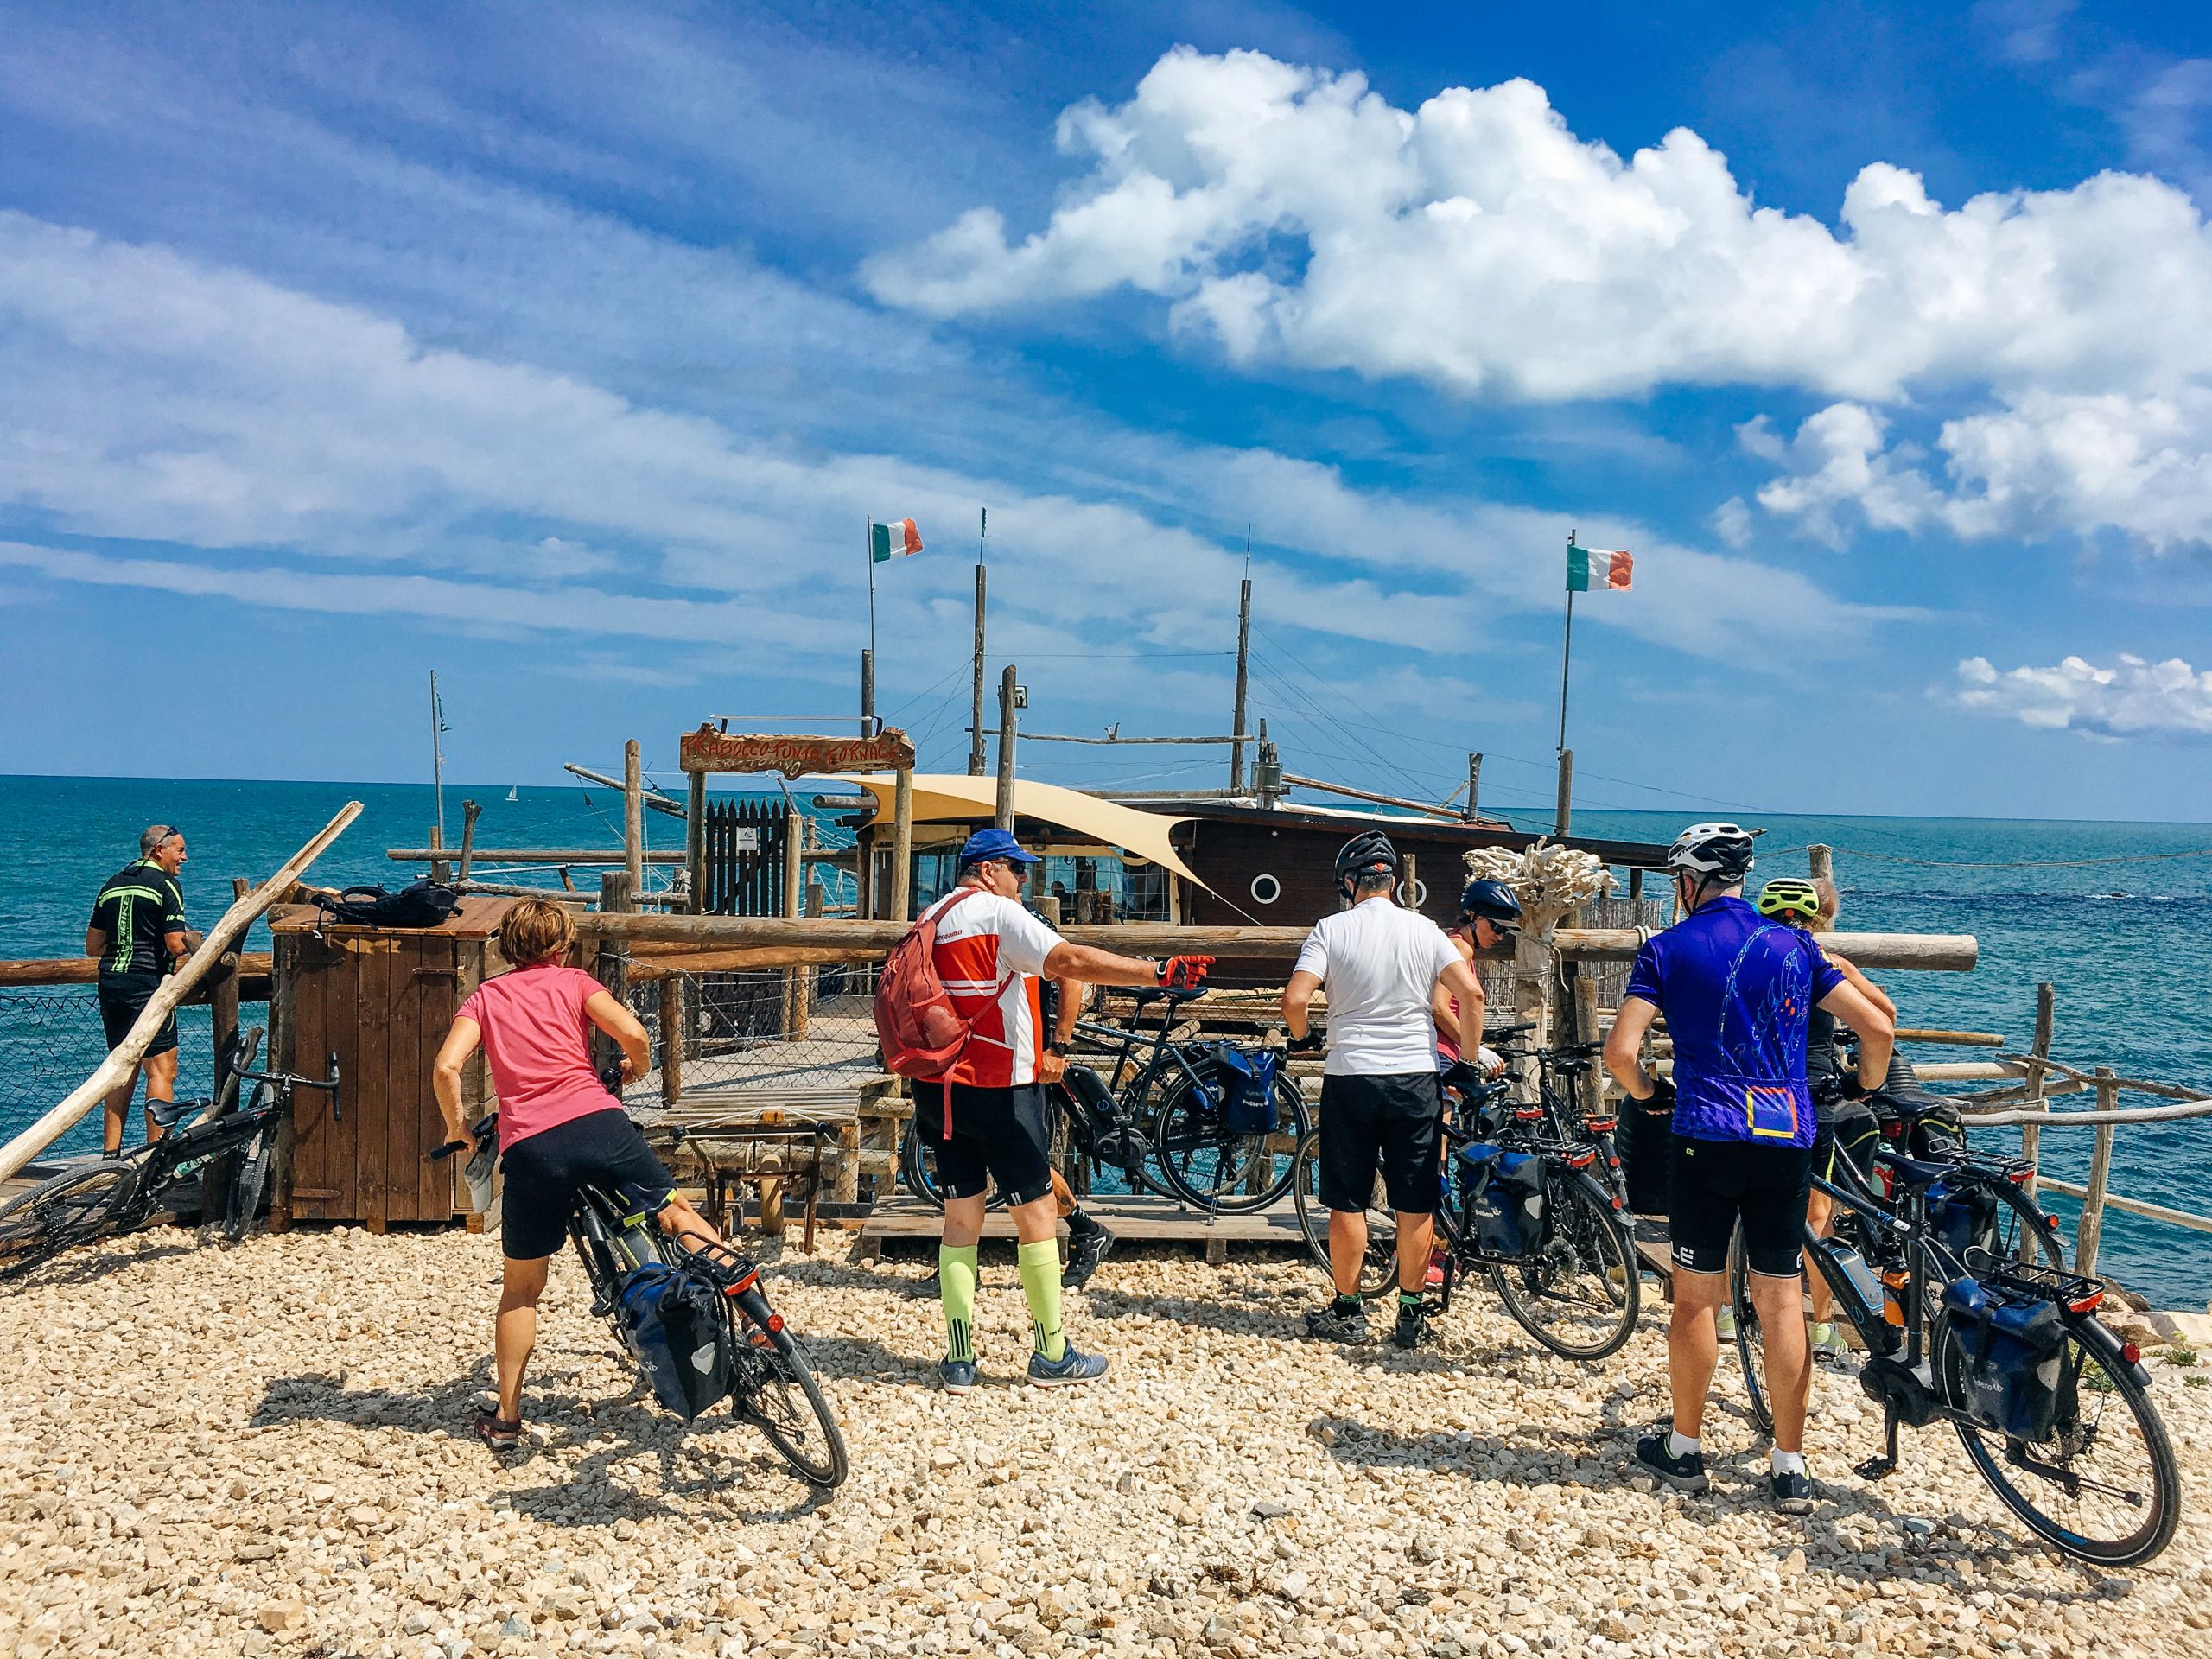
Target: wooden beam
x,y
85,971
613,856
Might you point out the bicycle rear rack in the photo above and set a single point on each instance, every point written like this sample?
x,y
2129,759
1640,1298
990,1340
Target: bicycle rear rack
x,y
2079,1294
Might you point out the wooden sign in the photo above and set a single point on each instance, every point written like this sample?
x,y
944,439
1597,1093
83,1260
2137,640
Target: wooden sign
x,y
708,750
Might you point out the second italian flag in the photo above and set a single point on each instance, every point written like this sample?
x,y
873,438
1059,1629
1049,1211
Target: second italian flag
x,y
1594,569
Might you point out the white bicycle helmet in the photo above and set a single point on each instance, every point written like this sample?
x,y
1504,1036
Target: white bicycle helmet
x,y
1713,849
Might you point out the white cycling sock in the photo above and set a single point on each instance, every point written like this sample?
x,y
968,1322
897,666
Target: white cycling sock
x,y
1679,1447
1787,1463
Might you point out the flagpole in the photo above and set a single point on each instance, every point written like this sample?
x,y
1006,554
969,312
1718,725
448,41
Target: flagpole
x,y
437,756
868,547
1565,651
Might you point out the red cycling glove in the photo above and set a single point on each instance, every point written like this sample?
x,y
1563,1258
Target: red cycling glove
x,y
1184,973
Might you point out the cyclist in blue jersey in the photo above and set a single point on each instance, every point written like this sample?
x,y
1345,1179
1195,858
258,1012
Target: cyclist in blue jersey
x,y
1739,990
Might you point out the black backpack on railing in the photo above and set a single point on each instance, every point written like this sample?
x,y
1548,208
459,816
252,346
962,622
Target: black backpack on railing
x,y
419,904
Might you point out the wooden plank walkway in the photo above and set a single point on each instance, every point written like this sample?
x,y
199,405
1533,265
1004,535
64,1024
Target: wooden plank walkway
x,y
1143,1219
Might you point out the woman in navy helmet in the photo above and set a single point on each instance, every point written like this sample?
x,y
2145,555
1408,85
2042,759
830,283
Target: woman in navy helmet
x,y
1489,916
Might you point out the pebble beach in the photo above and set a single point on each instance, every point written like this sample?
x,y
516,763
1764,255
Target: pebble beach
x,y
262,1449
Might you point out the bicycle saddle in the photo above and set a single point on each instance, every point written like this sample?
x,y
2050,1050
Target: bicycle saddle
x,y
168,1114
1913,1171
1145,994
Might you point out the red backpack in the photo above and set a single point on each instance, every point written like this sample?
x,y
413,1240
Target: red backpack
x,y
920,1031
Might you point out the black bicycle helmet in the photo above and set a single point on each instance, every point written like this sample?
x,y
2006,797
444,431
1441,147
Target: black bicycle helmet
x,y
1713,851
1493,902
1367,854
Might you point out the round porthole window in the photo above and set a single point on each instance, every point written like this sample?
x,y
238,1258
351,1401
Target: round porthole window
x,y
1265,889
1417,898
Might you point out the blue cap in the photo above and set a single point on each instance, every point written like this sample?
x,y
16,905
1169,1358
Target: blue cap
x,y
986,844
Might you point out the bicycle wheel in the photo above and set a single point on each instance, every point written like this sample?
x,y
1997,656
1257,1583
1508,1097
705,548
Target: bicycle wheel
x,y
783,1400
1378,1268
1751,1350
2103,1486
918,1169
249,1182
1209,1164
74,1207
1578,1294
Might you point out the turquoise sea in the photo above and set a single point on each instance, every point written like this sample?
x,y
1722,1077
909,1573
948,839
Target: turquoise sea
x,y
2118,916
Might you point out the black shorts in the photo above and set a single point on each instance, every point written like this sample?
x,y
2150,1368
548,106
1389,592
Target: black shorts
x,y
1854,1138
1395,1122
1718,1183
123,999
545,1171
998,1134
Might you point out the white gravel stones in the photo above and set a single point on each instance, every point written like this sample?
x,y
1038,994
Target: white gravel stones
x,y
264,1450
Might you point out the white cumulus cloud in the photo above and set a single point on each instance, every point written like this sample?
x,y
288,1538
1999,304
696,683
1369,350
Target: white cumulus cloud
x,y
2134,697
1476,242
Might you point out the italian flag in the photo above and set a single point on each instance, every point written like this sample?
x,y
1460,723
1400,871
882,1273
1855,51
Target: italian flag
x,y
1588,568
899,539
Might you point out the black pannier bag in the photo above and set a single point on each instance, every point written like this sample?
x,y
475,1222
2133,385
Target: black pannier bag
x,y
1505,1199
1246,1080
1646,1144
2012,1349
671,1318
1963,1216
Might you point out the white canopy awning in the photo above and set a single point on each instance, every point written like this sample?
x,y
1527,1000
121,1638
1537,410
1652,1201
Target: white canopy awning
x,y
941,796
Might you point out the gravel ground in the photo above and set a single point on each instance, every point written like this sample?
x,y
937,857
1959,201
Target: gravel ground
x,y
258,1451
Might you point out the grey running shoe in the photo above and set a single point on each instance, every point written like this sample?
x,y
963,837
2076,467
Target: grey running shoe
x,y
1085,1251
1793,1493
1684,1474
956,1375
1332,1324
1069,1367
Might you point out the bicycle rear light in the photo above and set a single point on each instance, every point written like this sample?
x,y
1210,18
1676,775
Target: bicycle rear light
x,y
2130,1353
775,1322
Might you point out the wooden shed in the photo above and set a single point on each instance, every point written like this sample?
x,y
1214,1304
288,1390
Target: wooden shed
x,y
381,999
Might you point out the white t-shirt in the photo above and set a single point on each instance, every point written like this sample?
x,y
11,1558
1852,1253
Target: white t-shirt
x,y
1379,963
989,951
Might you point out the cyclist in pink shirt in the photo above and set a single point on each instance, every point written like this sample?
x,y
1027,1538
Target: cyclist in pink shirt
x,y
559,1128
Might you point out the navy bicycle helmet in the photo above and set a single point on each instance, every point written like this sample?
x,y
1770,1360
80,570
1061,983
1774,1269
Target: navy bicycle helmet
x,y
1493,902
1367,854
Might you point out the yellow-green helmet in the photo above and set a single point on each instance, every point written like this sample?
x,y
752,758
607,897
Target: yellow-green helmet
x,y
1792,898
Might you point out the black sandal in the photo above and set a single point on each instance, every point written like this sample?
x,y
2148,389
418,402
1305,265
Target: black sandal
x,y
500,1433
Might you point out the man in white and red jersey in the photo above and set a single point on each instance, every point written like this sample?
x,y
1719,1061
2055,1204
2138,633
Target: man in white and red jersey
x,y
982,1121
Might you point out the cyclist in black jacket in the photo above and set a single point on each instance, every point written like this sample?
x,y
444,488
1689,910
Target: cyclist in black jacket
x,y
138,932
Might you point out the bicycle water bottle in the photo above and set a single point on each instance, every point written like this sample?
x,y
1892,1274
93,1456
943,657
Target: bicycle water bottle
x,y
1862,1278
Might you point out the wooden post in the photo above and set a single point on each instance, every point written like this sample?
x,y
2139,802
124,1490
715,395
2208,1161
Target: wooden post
x,y
1409,884
694,839
1823,861
1532,980
1243,646
469,813
794,978
611,964
2093,1201
1585,1031
439,872
902,847
1474,786
975,713
223,1002
634,818
1564,817
671,1039
1635,898
2039,1051
1005,814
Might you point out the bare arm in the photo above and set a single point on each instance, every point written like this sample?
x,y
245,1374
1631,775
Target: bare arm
x,y
1439,995
95,940
1459,981
1096,966
1876,1031
1297,999
462,1041
1865,987
618,1023
177,945
1625,1043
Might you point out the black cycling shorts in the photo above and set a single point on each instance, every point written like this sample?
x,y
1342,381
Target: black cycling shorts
x,y
123,999
1855,1138
1718,1183
1393,1122
997,1134
545,1171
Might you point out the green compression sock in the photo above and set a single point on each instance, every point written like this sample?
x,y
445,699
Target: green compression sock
x,y
1040,1283
955,1288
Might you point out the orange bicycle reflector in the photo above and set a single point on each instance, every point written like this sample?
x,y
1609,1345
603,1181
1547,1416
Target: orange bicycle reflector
x,y
1581,1159
1528,1114
2084,1304
1893,1284
775,1321
1601,1125
743,1285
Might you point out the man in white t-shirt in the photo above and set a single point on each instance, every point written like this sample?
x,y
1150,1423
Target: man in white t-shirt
x,y
1380,1104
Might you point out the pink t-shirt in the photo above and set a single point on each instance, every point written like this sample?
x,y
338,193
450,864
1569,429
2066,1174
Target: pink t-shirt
x,y
537,1041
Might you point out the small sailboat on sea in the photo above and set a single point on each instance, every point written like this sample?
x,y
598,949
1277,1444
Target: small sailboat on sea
x,y
511,793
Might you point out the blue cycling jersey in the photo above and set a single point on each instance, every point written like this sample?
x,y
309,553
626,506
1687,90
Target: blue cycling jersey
x,y
1738,991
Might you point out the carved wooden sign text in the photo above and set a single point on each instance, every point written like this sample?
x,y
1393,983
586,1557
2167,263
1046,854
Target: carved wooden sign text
x,y
708,750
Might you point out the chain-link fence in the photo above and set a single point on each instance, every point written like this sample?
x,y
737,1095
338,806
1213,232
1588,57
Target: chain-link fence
x,y
52,1037
766,1027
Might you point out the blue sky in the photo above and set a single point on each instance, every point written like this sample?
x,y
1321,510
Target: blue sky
x,y
566,350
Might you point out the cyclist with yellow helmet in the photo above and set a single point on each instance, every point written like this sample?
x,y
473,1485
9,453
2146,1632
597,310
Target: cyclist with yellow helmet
x,y
1846,1126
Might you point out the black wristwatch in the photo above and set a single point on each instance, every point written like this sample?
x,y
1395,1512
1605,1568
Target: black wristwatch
x,y
1058,1048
